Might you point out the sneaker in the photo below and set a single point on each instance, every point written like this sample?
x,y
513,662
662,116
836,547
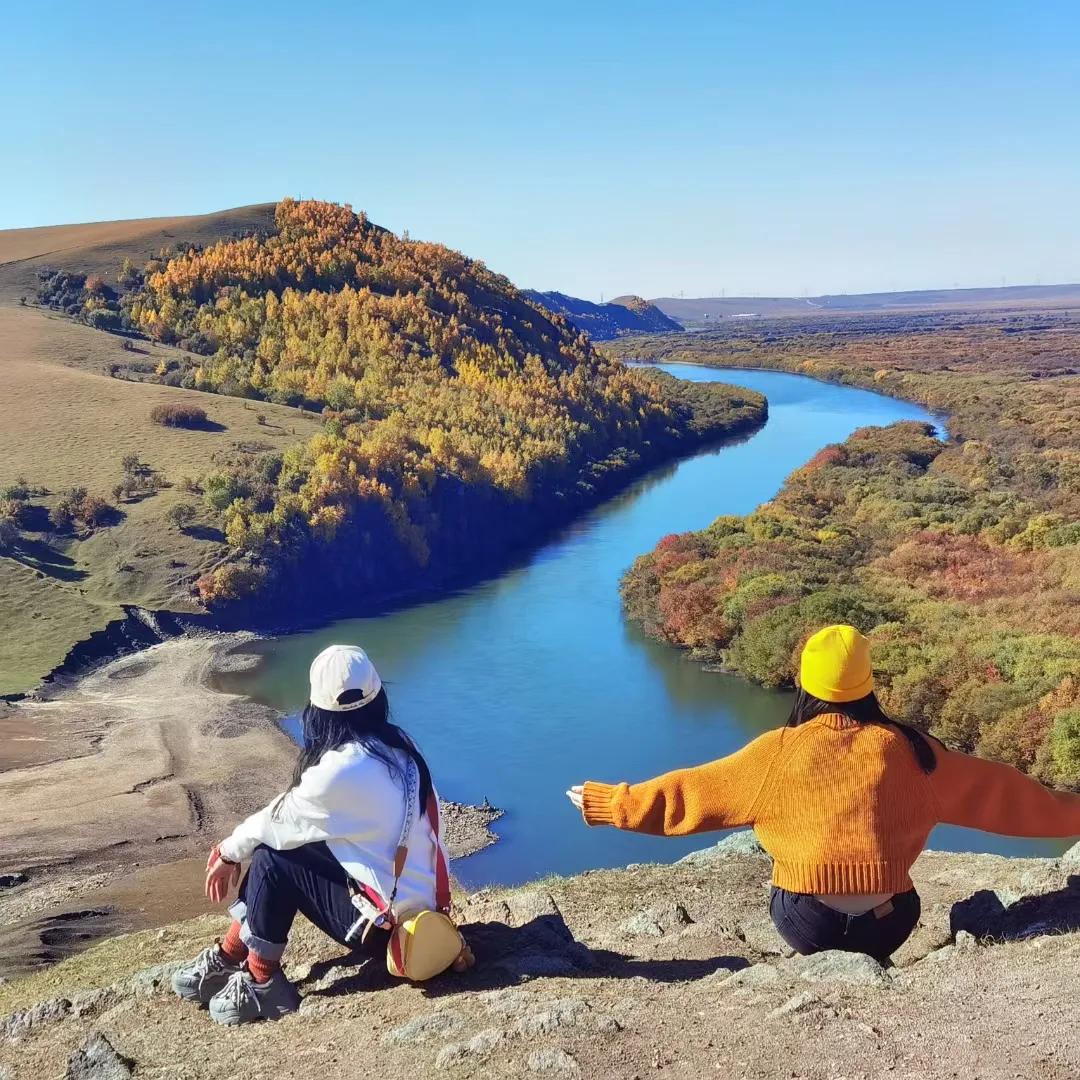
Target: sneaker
x,y
243,999
204,976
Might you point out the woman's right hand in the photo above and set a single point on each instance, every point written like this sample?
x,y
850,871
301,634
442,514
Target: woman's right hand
x,y
221,876
576,795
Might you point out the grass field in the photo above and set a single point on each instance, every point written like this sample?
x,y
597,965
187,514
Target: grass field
x,y
64,422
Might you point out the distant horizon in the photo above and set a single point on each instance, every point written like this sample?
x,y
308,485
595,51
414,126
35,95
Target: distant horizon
x,y
779,149
604,296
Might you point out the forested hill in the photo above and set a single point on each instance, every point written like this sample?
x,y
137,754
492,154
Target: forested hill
x,y
459,417
623,315
961,558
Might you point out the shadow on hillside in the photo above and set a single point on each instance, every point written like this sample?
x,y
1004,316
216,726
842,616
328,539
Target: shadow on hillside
x,y
40,556
204,532
985,916
507,955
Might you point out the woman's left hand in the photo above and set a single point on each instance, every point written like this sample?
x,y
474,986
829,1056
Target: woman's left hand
x,y
221,876
576,795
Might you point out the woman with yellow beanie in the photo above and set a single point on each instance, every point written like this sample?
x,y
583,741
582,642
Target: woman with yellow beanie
x,y
843,799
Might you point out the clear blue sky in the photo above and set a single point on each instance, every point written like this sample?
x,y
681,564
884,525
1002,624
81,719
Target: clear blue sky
x,y
756,147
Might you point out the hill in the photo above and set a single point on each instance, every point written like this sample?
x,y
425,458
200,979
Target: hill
x,y
615,973
961,557
701,311
334,405
623,315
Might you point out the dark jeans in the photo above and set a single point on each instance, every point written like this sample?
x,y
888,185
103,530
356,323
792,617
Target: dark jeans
x,y
809,926
306,879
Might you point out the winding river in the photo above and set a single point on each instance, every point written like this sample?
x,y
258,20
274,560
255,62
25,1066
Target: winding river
x,y
529,682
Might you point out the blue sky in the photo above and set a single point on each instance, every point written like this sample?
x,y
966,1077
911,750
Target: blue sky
x,y
757,148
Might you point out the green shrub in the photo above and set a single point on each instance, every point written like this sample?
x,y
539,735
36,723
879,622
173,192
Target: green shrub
x,y
186,416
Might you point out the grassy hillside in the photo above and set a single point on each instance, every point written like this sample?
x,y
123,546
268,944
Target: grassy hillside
x,y
383,414
67,423
962,558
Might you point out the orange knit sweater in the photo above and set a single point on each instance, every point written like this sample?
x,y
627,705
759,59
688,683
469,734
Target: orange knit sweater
x,y
841,807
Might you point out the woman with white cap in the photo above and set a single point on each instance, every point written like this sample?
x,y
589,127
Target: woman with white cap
x,y
330,847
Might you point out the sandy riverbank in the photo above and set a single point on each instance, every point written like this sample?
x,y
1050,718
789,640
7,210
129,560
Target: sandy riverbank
x,y
112,790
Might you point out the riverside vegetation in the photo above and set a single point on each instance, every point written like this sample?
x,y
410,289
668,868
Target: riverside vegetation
x,y
408,417
962,557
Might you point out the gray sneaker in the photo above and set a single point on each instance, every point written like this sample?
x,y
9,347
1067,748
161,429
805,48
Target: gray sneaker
x,y
204,976
243,999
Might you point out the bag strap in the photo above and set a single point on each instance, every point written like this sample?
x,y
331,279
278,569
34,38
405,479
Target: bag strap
x,y
401,855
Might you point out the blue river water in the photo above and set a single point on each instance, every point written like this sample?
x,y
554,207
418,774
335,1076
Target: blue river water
x,y
522,685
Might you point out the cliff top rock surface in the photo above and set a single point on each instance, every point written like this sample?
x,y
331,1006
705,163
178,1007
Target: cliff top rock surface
x,y
619,973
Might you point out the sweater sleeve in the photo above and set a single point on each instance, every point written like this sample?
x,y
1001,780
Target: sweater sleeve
x,y
303,815
719,795
997,798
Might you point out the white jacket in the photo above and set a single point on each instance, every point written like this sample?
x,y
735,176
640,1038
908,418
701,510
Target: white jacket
x,y
350,800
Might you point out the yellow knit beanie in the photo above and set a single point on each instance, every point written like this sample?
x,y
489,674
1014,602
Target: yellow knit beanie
x,y
835,665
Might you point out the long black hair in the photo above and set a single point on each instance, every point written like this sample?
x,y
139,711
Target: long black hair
x,y
864,710
371,727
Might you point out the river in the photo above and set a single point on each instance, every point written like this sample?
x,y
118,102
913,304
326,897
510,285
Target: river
x,y
527,683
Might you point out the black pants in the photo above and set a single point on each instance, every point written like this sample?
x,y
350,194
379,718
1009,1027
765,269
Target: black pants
x,y
809,926
307,879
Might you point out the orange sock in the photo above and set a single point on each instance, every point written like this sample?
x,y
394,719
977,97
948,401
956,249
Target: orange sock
x,y
232,948
262,970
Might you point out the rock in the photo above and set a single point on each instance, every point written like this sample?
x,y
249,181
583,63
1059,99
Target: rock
x,y
551,1060
753,976
509,1002
564,1012
97,1060
1071,859
9,881
422,1028
965,942
531,904
154,980
45,1012
761,935
94,1001
656,922
835,966
796,1004
479,1045
744,842
608,1025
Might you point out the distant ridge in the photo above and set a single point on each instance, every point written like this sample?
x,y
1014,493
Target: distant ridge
x,y
623,315
703,310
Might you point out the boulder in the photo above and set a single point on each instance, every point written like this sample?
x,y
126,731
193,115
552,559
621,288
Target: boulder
x,y
551,1060
1071,859
424,1027
655,922
835,966
96,1059
744,842
480,1045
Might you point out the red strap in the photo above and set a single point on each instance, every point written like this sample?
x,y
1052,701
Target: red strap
x,y
442,873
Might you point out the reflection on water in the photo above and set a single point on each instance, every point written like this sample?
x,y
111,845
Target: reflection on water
x,y
525,684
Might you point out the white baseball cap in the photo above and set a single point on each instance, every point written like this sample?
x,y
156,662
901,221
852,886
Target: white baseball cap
x,y
340,668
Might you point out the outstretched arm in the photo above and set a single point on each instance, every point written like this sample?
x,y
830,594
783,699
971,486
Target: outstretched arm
x,y
719,795
997,798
